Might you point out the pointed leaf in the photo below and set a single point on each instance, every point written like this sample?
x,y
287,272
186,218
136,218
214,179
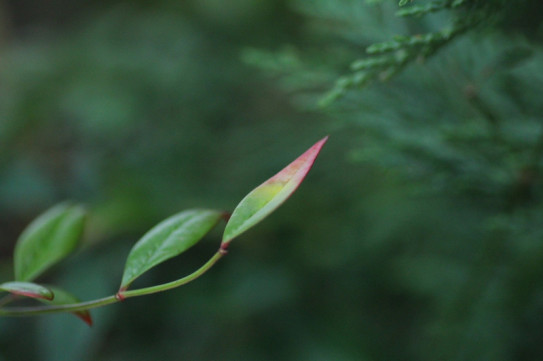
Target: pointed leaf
x,y
47,240
64,298
264,199
168,239
28,289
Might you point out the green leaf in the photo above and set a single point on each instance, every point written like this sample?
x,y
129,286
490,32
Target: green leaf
x,y
168,239
28,289
264,199
64,298
47,240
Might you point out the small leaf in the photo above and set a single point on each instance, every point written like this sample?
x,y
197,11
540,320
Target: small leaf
x,y
64,298
47,240
168,239
264,199
28,289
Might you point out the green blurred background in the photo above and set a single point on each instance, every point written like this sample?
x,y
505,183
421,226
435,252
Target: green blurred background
x,y
417,235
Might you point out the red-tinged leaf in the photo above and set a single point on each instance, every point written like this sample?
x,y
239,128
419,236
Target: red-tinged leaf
x,y
85,316
168,239
264,199
47,240
65,298
28,289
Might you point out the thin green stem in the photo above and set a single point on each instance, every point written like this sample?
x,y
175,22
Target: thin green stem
x,y
42,310
121,295
173,284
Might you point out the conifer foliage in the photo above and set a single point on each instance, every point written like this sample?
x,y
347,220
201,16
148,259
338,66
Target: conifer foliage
x,y
443,94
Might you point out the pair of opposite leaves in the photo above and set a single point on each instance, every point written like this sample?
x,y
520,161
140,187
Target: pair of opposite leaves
x,y
56,233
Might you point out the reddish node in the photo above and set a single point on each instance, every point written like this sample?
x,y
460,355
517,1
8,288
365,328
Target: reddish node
x,y
119,296
224,248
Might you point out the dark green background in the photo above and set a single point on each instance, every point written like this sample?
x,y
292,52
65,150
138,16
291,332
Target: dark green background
x,y
417,235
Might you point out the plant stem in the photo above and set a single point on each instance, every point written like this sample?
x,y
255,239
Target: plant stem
x,y
81,306
42,310
173,284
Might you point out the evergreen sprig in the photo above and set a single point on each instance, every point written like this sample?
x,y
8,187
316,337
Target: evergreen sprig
x,y
388,58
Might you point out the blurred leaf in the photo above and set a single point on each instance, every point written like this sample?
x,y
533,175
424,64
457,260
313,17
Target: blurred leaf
x,y
48,239
514,57
168,239
28,289
64,298
264,199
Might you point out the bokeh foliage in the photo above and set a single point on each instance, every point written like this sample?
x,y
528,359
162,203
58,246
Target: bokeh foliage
x,y
416,237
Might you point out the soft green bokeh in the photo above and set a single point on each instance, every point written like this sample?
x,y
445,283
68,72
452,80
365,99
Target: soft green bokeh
x,y
416,236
